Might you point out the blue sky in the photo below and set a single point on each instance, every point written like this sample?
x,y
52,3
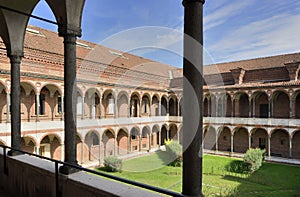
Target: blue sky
x,y
233,29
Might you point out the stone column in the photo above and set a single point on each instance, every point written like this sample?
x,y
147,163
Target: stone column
x,y
269,145
193,92
159,138
100,106
116,108
168,108
292,102
217,147
232,107
270,106
253,108
217,106
150,139
15,61
290,147
62,107
37,105
70,107
82,106
159,108
209,107
249,107
128,108
231,142
115,146
7,107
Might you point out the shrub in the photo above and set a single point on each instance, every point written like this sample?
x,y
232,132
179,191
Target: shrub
x,y
112,164
254,158
174,150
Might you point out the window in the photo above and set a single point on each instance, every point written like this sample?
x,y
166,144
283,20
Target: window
x,y
145,106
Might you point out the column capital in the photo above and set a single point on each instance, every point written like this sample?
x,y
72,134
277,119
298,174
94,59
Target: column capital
x,y
15,57
185,2
69,30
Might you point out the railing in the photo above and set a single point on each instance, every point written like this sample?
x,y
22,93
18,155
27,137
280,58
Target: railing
x,y
57,184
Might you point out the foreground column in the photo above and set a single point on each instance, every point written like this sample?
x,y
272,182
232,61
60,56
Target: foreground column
x,y
70,102
192,89
15,61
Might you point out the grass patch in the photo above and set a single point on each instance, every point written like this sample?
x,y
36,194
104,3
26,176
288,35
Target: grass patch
x,y
222,176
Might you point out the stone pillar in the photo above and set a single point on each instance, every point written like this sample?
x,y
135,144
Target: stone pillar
x,y
231,142
70,107
7,107
178,108
269,145
232,107
15,61
168,134
116,108
168,108
290,147
159,108
159,138
115,146
128,108
249,107
140,142
82,107
128,145
62,107
253,108
37,105
270,107
37,150
193,92
292,106
150,139
217,106
217,147
100,106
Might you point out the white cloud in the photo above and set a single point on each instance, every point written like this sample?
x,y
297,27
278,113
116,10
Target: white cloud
x,y
274,35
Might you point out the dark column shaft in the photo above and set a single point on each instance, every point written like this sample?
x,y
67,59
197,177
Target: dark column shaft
x,y
70,101
15,61
192,95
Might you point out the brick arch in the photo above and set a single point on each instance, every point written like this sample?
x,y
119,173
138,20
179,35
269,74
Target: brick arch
x,y
173,105
155,135
146,100
92,141
108,108
122,141
297,104
29,84
135,104
28,146
296,144
260,103
259,138
56,87
108,142
2,142
155,105
279,143
145,141
54,146
135,137
92,103
164,103
209,138
173,132
163,134
240,140
281,104
224,138
224,105
241,104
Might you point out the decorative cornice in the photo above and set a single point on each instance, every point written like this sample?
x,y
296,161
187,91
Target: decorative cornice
x,y
185,2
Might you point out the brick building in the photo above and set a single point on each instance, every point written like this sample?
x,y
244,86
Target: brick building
x,y
128,104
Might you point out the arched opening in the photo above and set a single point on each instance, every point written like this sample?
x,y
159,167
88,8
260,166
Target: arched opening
x,y
205,107
296,145
224,106
134,106
3,103
173,108
92,141
163,134
259,139
145,138
155,136
134,139
280,143
213,103
108,104
224,139
92,103
281,105
28,97
240,140
108,141
50,146
82,150
297,105
122,140
28,144
145,106
123,105
260,102
173,132
155,106
241,105
164,104
210,138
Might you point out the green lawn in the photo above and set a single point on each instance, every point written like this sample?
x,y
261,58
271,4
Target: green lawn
x,y
221,176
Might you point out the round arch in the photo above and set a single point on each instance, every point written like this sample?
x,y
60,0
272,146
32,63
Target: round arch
x,y
224,139
209,138
240,140
279,145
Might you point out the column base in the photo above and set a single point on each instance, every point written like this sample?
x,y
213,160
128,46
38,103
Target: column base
x,y
68,170
14,153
